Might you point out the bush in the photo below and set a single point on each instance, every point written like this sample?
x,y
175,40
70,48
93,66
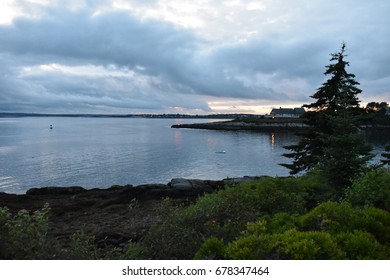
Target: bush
x,y
223,214
316,188
212,249
332,217
342,217
280,223
330,231
81,247
371,189
360,245
133,251
23,235
291,244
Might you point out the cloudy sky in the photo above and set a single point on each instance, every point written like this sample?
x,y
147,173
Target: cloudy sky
x,y
184,56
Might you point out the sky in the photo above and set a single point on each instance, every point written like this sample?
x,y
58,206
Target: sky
x,y
186,57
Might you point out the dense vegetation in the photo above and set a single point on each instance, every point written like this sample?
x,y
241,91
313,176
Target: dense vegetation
x,y
271,218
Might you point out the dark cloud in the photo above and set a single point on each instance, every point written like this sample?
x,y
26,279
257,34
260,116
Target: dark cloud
x,y
140,64
159,50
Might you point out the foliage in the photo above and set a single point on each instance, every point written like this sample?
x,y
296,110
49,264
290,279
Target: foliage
x,y
371,189
23,235
316,187
376,106
332,142
345,154
133,251
386,156
223,214
270,218
361,245
330,231
291,244
81,247
278,203
212,249
342,217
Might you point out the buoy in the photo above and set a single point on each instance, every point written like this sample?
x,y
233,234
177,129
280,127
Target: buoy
x,y
51,127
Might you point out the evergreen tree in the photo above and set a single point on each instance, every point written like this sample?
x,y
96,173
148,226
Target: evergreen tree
x,y
386,156
332,142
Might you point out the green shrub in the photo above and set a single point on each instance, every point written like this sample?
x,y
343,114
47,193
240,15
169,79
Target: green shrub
x,y
332,217
280,223
311,246
274,195
329,231
376,222
133,251
212,249
371,189
291,244
254,247
360,245
268,218
81,247
316,188
23,235
223,214
342,217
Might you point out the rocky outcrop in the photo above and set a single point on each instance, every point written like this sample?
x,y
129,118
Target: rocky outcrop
x,y
238,125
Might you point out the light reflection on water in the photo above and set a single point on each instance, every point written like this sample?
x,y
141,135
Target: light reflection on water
x,y
92,152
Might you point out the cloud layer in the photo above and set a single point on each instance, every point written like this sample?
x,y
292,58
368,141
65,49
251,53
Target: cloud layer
x,y
180,56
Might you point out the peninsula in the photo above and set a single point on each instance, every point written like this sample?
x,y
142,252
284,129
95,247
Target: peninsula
x,y
256,124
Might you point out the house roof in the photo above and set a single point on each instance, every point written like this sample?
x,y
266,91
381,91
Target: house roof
x,y
299,110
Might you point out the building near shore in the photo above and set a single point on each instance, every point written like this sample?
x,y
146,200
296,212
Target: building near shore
x,y
287,112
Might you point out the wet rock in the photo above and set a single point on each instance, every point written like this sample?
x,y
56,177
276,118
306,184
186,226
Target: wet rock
x,y
55,190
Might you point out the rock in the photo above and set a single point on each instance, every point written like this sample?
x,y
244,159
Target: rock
x,y
180,184
243,179
55,190
191,185
153,187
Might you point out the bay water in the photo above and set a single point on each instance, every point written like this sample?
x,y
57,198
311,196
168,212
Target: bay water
x,y
101,152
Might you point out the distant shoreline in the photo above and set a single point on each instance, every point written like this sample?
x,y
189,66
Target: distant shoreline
x,y
151,116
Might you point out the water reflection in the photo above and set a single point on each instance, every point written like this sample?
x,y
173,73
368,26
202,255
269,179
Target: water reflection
x,y
102,152
272,140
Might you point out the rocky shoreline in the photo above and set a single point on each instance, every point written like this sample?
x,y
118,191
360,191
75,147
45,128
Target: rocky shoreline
x,y
112,216
270,125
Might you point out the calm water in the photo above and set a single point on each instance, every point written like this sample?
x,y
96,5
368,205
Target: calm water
x,y
100,152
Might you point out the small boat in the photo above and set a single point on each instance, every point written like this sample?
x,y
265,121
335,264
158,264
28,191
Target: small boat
x,y
220,152
51,127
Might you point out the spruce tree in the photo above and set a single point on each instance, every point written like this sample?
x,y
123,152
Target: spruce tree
x,y
386,156
332,142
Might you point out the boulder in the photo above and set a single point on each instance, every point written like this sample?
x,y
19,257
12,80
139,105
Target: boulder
x,y
191,185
